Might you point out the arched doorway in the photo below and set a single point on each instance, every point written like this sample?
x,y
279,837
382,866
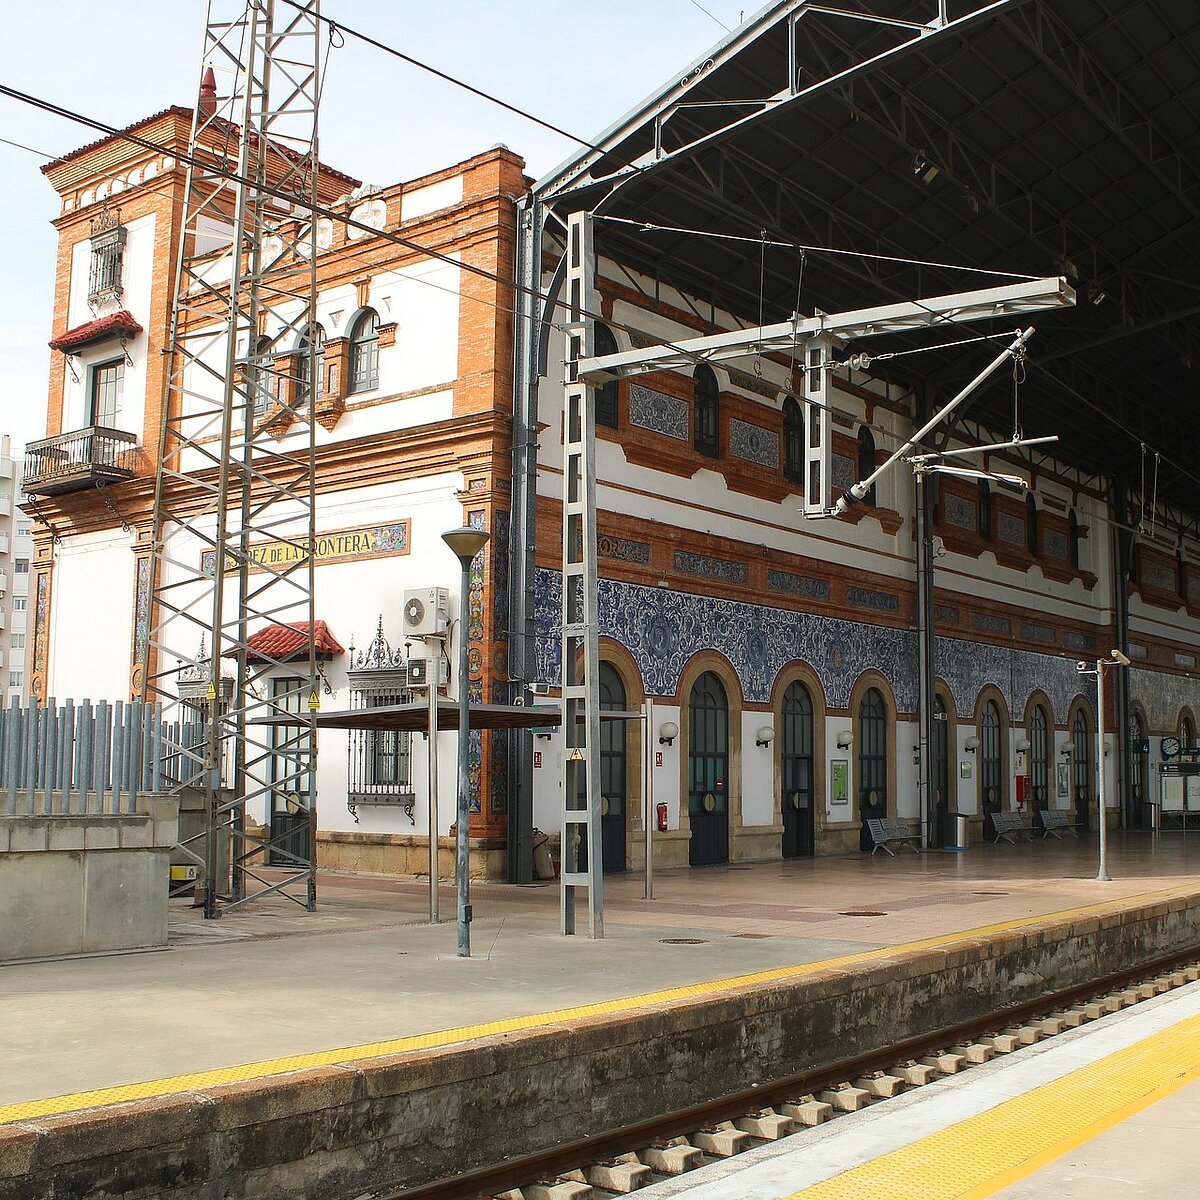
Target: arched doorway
x,y
940,769
1039,761
1081,768
872,762
796,766
991,759
1139,766
614,771
708,771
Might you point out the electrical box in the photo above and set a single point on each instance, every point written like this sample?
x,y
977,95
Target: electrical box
x,y
420,670
426,611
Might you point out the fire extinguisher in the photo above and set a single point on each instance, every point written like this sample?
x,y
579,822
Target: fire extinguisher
x,y
661,810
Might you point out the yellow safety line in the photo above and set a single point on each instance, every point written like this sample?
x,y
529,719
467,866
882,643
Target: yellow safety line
x,y
980,1156
55,1105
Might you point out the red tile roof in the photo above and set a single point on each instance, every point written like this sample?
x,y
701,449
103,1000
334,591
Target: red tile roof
x,y
119,324
285,642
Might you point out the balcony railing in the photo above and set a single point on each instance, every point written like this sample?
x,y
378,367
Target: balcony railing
x,y
73,461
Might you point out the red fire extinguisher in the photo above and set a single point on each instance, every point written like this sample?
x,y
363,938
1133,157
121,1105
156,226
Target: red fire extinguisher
x,y
661,810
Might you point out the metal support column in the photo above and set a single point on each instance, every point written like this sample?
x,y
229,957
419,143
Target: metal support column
x,y
926,798
1121,549
582,868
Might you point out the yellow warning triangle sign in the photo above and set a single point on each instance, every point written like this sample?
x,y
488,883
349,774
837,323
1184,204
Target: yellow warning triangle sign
x,y
314,701
576,755
212,690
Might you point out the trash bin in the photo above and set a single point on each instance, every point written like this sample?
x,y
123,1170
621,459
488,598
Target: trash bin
x,y
543,866
960,832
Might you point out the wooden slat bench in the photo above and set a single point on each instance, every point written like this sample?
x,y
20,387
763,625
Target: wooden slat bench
x,y
1009,827
885,830
1055,820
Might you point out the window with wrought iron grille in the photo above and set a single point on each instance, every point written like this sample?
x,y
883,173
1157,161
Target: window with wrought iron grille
x,y
707,414
108,250
364,352
310,366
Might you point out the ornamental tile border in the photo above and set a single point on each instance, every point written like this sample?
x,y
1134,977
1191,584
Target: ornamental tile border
x,y
960,512
663,630
754,443
659,412
710,568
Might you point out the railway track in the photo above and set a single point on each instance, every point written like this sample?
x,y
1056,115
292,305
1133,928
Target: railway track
x,y
618,1162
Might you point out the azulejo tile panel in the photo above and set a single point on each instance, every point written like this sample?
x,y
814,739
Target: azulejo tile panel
x,y
1162,696
960,511
1010,529
754,443
659,412
663,629
709,567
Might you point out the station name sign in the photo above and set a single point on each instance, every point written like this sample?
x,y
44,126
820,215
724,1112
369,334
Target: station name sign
x,y
338,545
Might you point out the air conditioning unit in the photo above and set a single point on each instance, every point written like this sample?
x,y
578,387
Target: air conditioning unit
x,y
426,611
420,670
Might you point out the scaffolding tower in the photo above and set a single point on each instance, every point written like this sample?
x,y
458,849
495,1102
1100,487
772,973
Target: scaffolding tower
x,y
234,516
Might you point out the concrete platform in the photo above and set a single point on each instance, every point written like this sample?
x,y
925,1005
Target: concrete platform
x,y
276,1018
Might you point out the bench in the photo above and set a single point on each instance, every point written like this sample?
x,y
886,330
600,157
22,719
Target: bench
x,y
1055,820
1009,827
885,830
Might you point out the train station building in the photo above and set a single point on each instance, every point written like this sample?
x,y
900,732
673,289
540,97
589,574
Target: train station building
x,y
807,165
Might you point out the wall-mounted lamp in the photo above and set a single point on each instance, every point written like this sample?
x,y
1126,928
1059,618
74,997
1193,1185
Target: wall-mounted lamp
x,y
1065,749
845,740
971,744
916,756
668,731
545,734
1022,746
765,736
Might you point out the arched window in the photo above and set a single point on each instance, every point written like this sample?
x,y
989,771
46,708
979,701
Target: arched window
x,y
606,394
262,377
866,460
796,766
707,402
1081,758
312,338
872,743
1137,757
940,751
793,440
991,760
364,352
1187,733
1073,539
708,770
1039,755
614,772
985,510
1031,525
1181,576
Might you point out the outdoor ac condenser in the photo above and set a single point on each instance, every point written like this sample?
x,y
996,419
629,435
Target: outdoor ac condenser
x,y
426,611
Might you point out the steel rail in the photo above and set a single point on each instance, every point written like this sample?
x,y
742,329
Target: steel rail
x,y
486,1182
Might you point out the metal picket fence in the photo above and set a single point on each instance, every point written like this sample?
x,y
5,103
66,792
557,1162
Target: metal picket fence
x,y
92,758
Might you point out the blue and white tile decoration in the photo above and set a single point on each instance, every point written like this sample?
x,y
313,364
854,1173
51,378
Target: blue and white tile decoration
x,y
1162,696
754,443
663,629
659,412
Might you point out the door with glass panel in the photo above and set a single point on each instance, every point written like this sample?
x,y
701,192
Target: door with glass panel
x,y
614,771
291,835
1081,769
872,763
796,767
991,759
940,764
708,772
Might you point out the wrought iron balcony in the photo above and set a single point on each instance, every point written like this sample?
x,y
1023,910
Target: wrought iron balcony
x,y
81,459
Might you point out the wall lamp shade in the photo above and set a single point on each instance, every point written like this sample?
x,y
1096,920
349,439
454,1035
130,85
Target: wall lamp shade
x,y
1065,749
845,740
765,736
971,744
465,543
1022,745
668,731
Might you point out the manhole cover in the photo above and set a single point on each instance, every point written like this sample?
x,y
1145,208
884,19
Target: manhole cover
x,y
684,941
752,935
863,913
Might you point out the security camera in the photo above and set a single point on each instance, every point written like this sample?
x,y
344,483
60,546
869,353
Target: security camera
x,y
1118,657
939,548
539,689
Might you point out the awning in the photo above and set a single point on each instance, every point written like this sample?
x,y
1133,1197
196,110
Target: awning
x,y
284,643
414,717
116,325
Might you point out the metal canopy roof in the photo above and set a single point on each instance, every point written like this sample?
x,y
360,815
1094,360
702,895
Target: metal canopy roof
x,y
413,717
1024,136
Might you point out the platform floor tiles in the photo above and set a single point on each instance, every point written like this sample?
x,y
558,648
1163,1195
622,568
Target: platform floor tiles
x,y
1107,1112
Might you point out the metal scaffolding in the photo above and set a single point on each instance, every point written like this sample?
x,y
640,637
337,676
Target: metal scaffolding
x,y
234,516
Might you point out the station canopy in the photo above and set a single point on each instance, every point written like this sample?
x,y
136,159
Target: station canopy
x,y
1024,136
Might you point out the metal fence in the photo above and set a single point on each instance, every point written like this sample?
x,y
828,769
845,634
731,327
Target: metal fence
x,y
93,758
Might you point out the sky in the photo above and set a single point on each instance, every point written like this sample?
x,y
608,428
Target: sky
x,y
578,65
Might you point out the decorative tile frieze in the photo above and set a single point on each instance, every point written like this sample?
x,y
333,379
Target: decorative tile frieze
x,y
1080,641
960,512
658,412
754,383
1137,650
663,629
868,598
990,623
1163,696
1010,528
798,585
622,549
843,472
708,567
1186,661
754,443
947,614
1054,544
1038,633
1159,575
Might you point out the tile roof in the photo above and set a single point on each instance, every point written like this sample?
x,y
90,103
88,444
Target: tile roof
x,y
119,324
285,642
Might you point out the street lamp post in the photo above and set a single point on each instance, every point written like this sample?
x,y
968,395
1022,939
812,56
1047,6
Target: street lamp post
x,y
464,544
1115,659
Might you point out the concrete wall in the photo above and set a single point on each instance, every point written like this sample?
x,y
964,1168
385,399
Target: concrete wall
x,y
340,1130
83,885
